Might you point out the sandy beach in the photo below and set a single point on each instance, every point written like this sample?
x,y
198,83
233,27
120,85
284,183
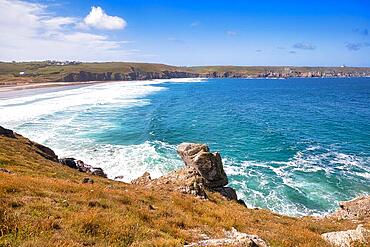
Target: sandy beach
x,y
15,87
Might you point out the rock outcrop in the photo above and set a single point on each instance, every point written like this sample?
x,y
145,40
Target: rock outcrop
x,y
232,238
356,209
7,132
144,179
203,172
134,74
40,149
50,155
82,167
348,238
207,164
45,152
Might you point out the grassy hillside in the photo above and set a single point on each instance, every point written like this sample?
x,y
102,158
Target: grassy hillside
x,y
45,204
44,72
50,72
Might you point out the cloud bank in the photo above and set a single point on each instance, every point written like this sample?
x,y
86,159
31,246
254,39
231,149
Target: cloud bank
x,y
30,32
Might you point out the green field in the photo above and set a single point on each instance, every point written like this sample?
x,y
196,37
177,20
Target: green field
x,y
33,72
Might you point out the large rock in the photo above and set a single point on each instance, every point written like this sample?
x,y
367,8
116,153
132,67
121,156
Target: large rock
x,y
356,209
209,165
40,149
232,238
142,180
45,152
203,172
70,162
227,192
185,180
6,132
348,238
82,167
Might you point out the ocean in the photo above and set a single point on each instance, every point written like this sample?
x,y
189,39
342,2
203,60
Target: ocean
x,y
296,146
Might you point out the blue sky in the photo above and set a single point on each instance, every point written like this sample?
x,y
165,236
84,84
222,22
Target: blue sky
x,y
313,33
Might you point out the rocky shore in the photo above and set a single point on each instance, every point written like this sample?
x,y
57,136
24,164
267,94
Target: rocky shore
x,y
203,172
203,175
49,154
84,76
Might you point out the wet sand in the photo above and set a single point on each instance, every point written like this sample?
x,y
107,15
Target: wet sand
x,y
13,91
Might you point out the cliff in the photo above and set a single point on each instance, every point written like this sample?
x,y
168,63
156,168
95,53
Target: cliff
x,y
47,201
130,76
33,72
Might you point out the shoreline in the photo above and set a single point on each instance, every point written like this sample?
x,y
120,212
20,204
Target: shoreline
x,y
25,86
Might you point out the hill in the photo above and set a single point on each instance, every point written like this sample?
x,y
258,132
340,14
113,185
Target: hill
x,y
44,203
51,71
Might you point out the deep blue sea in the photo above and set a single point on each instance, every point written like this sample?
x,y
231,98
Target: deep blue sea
x,y
296,146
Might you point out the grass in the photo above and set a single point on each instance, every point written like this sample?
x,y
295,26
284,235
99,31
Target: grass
x,y
42,72
45,204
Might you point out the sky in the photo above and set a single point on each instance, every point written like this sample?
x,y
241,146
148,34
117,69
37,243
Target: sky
x,y
188,32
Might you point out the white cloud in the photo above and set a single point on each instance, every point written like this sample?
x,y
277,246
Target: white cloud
x,y
30,32
58,22
97,18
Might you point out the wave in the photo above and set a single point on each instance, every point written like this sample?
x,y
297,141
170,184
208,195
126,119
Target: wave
x,y
129,161
182,80
127,94
114,94
312,182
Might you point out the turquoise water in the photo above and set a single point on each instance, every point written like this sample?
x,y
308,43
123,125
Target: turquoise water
x,y
296,146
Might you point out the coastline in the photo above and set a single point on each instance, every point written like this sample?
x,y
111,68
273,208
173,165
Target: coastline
x,y
27,85
115,91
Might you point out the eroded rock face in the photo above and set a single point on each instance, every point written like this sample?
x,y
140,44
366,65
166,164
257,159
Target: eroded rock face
x,y
347,238
144,179
40,149
82,167
233,238
134,74
70,162
7,132
203,171
227,192
356,209
45,152
185,180
209,165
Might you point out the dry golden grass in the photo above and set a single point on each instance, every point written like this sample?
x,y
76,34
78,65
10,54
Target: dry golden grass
x,y
45,204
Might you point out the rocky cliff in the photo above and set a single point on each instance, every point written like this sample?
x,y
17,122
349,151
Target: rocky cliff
x,y
203,173
130,76
50,71
139,74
